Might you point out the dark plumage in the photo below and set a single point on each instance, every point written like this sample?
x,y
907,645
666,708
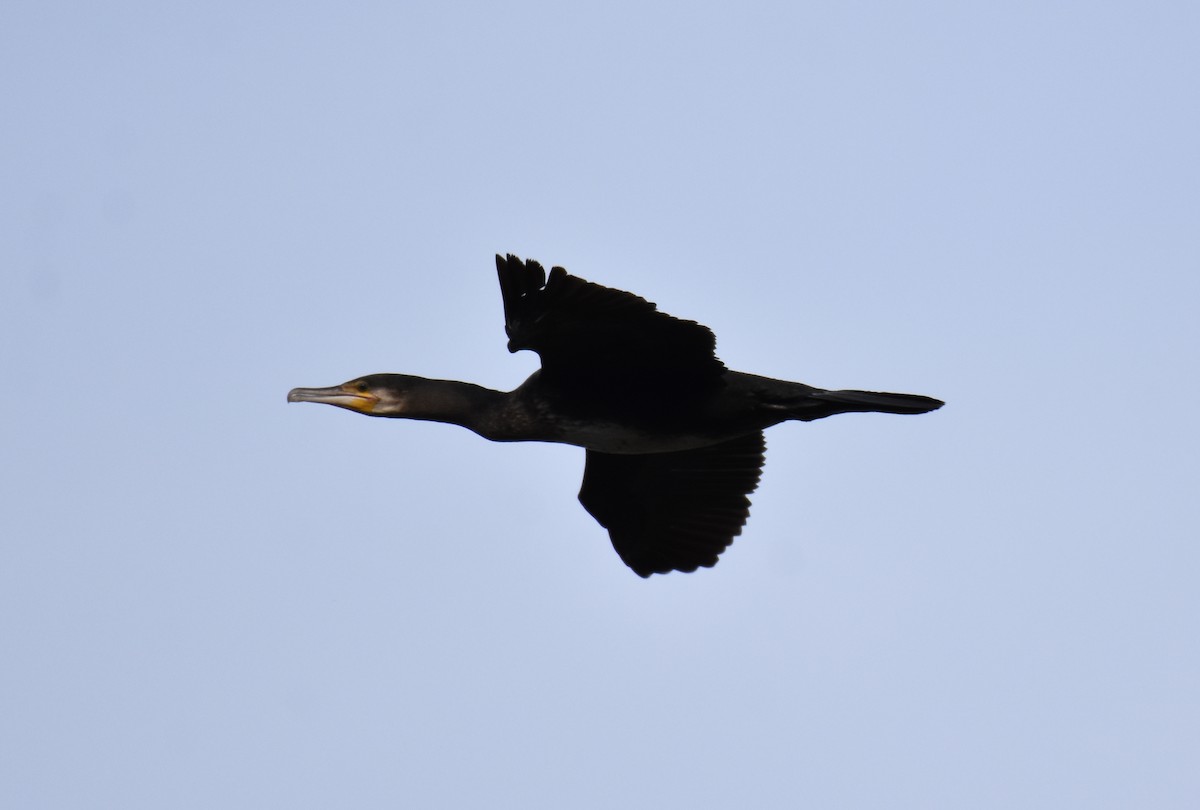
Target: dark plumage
x,y
674,439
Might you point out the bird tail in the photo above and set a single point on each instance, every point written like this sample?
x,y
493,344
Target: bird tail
x,y
819,404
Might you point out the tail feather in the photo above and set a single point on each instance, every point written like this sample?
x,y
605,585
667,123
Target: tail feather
x,y
820,404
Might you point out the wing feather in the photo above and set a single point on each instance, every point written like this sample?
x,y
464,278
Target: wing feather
x,y
593,336
673,511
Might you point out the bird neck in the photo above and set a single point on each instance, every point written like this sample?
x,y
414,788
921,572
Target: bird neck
x,y
452,402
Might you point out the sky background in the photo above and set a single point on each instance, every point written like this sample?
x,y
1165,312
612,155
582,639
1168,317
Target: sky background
x,y
211,599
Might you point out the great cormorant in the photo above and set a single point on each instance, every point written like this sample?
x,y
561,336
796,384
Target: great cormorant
x,y
674,439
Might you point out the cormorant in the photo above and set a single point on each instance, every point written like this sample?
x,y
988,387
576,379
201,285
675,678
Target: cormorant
x,y
674,439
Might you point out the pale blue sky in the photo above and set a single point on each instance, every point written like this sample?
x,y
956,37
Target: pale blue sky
x,y
211,599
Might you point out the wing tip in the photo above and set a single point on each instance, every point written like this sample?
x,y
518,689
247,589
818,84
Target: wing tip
x,y
645,570
519,278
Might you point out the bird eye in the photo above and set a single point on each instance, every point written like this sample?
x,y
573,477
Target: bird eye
x,y
361,387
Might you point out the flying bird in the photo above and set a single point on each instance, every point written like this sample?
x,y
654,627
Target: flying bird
x,y
674,439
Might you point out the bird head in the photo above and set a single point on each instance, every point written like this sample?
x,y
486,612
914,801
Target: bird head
x,y
374,394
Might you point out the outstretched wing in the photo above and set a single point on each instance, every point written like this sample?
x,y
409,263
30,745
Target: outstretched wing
x,y
673,511
590,336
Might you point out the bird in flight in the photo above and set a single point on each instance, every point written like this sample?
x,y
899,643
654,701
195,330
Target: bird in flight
x,y
674,439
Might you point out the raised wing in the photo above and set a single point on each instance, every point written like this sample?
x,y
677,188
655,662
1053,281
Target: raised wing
x,y
673,511
591,336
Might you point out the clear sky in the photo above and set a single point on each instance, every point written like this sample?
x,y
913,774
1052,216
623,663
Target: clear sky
x,y
212,599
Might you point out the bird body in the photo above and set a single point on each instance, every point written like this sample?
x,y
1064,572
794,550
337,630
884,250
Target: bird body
x,y
674,439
